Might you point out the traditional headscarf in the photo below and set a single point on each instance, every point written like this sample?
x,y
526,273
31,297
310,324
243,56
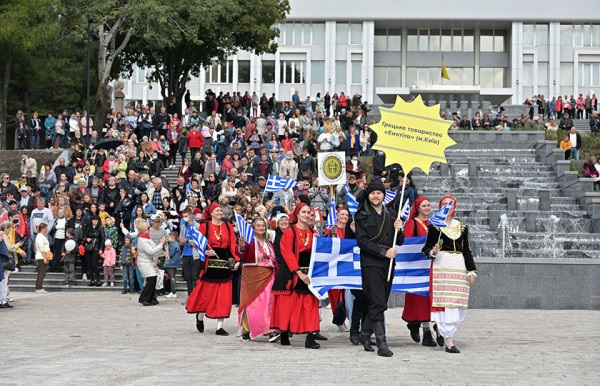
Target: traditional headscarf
x,y
450,197
294,214
414,209
211,208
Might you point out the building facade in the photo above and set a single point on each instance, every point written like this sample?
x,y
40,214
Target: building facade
x,y
494,52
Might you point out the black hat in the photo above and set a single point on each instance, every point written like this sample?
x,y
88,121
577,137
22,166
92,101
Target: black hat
x,y
375,185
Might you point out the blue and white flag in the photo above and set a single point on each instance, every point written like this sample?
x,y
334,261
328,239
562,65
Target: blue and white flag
x,y
389,196
276,183
332,215
405,211
244,228
439,216
335,263
201,241
351,201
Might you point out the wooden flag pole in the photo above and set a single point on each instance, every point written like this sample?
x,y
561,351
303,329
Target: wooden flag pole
x,y
389,276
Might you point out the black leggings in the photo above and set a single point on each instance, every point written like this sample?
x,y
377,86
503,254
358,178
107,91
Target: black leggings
x,y
91,259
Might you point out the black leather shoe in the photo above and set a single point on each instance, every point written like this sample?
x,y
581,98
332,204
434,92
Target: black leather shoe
x,y
222,332
428,339
124,292
199,324
310,342
154,302
7,305
354,337
414,330
438,338
453,350
365,339
98,284
3,305
318,336
146,304
285,338
92,284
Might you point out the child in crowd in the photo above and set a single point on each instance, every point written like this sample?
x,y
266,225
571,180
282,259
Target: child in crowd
x,y
128,265
110,258
173,261
103,214
111,232
565,144
69,258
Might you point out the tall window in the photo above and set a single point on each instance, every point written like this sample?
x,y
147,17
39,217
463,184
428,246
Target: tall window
x,y
589,74
580,35
356,70
423,39
566,74
141,75
388,40
292,71
387,76
535,34
244,71
268,71
219,72
340,72
301,34
492,77
493,40
318,71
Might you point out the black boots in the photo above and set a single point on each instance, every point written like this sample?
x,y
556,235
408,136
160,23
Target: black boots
x,y
364,337
414,330
310,342
285,338
382,347
428,339
355,326
354,337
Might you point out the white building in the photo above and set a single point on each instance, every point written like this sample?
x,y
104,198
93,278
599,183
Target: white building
x,y
494,51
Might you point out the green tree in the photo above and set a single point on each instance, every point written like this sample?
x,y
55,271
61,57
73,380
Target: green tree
x,y
25,26
191,34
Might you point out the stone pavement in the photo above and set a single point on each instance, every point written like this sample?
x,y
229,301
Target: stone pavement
x,y
106,338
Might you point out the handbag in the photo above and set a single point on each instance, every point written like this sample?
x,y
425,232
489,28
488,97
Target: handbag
x,y
8,263
81,249
339,317
89,247
48,256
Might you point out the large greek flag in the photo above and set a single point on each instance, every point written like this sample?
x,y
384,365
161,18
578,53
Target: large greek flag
x,y
439,216
276,183
244,228
201,242
335,263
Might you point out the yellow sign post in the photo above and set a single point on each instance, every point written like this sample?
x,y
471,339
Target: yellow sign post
x,y
414,136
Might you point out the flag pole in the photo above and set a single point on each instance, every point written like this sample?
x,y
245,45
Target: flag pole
x,y
389,276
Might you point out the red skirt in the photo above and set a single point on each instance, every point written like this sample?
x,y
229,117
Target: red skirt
x,y
296,313
214,299
335,297
417,308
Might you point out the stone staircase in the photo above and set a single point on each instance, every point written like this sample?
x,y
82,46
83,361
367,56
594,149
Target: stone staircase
x,y
503,177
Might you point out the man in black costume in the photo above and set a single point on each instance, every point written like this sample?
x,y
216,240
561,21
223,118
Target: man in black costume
x,y
375,228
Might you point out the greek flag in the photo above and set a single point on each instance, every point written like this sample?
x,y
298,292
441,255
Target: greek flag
x,y
244,228
351,201
332,215
276,183
201,242
389,196
439,216
335,263
405,210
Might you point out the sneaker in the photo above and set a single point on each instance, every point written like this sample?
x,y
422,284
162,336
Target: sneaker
x,y
9,299
246,338
112,284
84,277
16,270
168,295
41,291
174,296
275,336
104,284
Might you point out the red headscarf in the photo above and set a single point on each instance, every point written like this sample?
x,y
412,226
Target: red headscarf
x,y
450,197
414,209
208,211
294,214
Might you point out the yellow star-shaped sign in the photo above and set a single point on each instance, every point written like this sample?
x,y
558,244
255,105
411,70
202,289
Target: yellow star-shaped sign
x,y
412,134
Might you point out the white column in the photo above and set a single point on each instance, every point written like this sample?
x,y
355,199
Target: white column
x,y
330,57
576,76
517,62
307,74
554,59
278,79
144,95
404,43
477,55
202,82
368,90
234,73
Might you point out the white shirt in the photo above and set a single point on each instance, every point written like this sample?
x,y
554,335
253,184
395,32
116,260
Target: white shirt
x,y
573,138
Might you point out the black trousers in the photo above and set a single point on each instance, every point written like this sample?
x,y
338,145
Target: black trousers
x,y
149,292
377,290
191,271
91,259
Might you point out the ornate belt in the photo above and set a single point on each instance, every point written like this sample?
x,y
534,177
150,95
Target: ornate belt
x,y
217,263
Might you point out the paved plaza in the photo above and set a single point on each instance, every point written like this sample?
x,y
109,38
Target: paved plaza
x,y
108,338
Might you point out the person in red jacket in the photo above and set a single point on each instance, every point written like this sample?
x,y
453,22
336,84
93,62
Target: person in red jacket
x,y
417,308
195,141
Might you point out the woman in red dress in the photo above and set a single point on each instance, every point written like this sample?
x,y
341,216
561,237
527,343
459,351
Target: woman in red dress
x,y
212,295
340,230
417,308
296,309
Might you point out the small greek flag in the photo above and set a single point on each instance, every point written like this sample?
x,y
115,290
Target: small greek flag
x,y
405,210
201,242
389,196
351,201
335,263
276,183
439,216
244,228
332,215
